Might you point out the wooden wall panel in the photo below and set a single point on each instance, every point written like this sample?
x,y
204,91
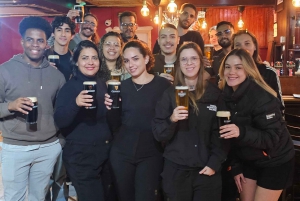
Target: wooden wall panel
x,y
258,20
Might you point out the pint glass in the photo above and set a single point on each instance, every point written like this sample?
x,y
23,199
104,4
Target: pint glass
x,y
114,90
91,87
32,114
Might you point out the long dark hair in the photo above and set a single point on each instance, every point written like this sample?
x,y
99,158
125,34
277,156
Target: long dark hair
x,y
104,72
80,46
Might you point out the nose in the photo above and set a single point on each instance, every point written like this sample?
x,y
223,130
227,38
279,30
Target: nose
x,y
63,33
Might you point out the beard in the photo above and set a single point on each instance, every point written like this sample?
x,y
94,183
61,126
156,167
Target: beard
x,y
87,35
181,24
224,42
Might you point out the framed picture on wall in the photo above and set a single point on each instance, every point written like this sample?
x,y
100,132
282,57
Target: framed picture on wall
x,y
279,2
279,5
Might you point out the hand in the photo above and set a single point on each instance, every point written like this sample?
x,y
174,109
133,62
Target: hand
x,y
53,65
167,76
107,101
207,171
229,131
179,113
20,105
238,181
72,14
206,62
83,99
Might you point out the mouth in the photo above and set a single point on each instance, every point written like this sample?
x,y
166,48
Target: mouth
x,y
189,69
132,70
88,29
111,53
90,68
34,51
232,78
168,45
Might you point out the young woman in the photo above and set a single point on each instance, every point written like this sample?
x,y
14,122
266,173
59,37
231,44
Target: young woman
x,y
247,40
136,157
193,153
86,131
110,47
213,39
263,150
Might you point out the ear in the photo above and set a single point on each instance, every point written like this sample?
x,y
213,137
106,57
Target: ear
x,y
52,35
22,41
146,59
137,26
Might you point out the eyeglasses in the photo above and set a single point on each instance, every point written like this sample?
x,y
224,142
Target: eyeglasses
x,y
185,60
109,44
128,24
226,32
92,24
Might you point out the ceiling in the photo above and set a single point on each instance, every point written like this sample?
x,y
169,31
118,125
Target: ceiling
x,y
9,8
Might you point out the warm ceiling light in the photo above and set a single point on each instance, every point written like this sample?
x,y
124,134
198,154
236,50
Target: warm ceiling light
x,y
172,7
296,3
240,22
145,9
156,18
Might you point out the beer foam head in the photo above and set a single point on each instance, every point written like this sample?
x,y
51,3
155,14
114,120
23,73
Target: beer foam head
x,y
182,87
208,45
33,99
53,57
113,73
114,83
223,114
89,83
169,66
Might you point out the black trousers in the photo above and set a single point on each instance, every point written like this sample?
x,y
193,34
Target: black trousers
x,y
137,179
84,165
189,185
229,189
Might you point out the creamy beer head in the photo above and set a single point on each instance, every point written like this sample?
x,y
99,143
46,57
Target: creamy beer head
x,y
114,83
223,114
113,73
169,65
89,83
33,99
51,57
182,87
114,90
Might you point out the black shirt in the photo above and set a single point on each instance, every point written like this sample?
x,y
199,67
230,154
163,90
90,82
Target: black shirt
x,y
190,36
135,137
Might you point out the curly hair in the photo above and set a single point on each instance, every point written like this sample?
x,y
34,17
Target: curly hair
x,y
104,72
60,20
34,22
143,49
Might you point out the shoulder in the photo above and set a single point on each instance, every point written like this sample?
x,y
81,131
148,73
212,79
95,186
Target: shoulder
x,y
259,94
163,82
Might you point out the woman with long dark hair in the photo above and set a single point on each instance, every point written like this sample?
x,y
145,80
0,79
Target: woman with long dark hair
x,y
86,130
193,153
136,157
262,148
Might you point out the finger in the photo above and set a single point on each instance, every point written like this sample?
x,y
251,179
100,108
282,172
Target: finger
x,y
107,103
243,178
202,171
108,100
108,108
22,111
106,95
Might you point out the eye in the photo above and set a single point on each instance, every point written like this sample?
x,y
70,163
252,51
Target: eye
x,y
135,59
227,66
40,41
126,61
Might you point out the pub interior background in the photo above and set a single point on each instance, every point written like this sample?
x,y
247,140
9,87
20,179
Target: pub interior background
x,y
276,24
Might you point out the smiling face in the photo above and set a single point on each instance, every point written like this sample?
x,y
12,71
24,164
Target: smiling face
x,y
244,41
224,39
34,44
189,62
89,27
134,61
168,40
234,72
88,62
111,48
62,35
128,27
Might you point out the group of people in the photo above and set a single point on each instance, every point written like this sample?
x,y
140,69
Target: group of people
x,y
150,148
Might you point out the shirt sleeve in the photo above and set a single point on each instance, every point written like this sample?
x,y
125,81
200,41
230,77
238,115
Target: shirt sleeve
x,y
4,112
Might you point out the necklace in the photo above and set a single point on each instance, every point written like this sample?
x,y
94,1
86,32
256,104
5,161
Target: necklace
x,y
137,89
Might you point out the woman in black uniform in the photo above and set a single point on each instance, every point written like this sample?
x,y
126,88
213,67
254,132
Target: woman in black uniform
x,y
136,157
261,144
86,130
193,153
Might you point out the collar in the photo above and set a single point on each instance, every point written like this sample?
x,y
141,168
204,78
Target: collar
x,y
230,95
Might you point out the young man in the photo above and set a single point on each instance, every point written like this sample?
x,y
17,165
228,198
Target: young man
x,y
187,17
87,29
225,30
168,40
63,29
29,152
128,26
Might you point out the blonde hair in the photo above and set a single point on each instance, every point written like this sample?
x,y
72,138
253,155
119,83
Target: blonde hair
x,y
179,76
249,67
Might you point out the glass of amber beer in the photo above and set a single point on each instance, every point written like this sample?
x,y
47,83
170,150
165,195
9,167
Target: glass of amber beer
x,y
169,69
116,75
208,52
182,96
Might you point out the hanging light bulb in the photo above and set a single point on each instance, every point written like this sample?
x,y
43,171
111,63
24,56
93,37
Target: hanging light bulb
x,y
204,24
296,3
156,18
145,9
240,23
172,7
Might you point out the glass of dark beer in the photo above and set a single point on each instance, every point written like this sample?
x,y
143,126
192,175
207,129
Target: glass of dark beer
x,y
80,18
182,96
223,118
91,86
114,90
169,69
32,114
54,59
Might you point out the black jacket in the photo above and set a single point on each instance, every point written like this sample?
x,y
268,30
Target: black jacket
x,y
198,145
264,139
